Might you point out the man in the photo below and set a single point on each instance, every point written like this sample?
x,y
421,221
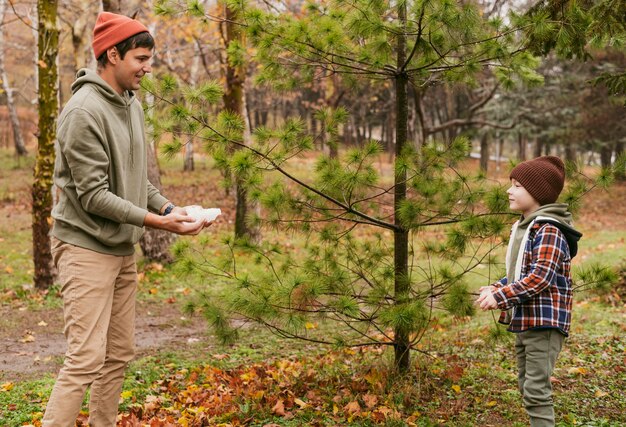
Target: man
x,y
105,201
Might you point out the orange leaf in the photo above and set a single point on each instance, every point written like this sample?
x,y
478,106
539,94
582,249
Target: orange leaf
x,y
352,407
42,64
279,408
370,400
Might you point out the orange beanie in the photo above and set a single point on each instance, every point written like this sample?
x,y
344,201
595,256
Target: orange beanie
x,y
112,29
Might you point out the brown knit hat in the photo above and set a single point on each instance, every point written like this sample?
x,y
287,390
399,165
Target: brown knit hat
x,y
111,29
542,177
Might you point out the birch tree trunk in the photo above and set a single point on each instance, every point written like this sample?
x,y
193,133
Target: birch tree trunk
x,y
48,45
18,140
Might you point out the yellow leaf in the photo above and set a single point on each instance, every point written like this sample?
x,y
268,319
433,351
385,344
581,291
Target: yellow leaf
x,y
335,409
456,388
153,291
247,376
300,403
577,371
126,394
28,338
9,269
310,325
601,393
7,386
491,403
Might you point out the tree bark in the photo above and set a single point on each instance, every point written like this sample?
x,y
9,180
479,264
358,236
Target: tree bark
x,y
484,152
401,236
538,147
79,35
606,153
155,244
18,140
234,101
619,151
48,45
521,146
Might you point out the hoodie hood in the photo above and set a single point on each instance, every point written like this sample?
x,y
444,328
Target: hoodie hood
x,y
89,77
557,215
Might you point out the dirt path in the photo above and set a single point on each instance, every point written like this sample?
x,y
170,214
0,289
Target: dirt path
x,y
32,343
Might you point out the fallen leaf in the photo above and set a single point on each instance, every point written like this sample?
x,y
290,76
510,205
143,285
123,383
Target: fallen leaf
x,y
42,64
352,407
491,403
301,403
279,408
370,400
9,269
577,371
456,388
601,393
7,386
42,323
153,291
27,338
221,356
309,325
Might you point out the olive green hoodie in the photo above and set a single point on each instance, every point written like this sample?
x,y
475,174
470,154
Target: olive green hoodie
x,y
101,169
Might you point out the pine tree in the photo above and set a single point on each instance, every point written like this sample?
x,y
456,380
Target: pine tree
x,y
379,253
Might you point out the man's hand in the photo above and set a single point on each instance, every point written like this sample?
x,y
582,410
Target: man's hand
x,y
176,222
486,301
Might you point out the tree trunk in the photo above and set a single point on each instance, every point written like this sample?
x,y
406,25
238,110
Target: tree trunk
x,y
484,152
48,45
79,35
401,236
606,153
155,244
18,140
234,101
538,147
188,164
112,6
619,151
521,146
570,152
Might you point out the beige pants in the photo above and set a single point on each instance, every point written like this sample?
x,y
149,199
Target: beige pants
x,y
99,310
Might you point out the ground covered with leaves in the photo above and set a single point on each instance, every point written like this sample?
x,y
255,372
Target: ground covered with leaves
x,y
464,373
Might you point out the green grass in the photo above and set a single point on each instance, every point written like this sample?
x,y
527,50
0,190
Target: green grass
x,y
463,354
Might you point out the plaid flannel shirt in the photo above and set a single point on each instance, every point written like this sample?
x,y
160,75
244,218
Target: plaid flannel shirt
x,y
542,298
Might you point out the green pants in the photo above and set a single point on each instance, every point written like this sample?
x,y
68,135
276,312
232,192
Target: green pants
x,y
537,351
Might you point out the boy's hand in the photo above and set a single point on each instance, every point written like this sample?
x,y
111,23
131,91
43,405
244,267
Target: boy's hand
x,y
486,301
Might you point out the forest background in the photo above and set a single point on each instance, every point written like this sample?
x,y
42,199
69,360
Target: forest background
x,y
310,131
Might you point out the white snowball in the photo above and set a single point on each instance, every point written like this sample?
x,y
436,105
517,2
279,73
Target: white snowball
x,y
198,213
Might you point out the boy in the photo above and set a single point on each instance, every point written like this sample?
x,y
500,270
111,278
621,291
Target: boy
x,y
105,201
538,286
